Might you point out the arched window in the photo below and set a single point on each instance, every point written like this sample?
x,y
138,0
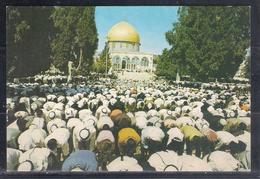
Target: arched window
x,y
114,59
147,63
126,64
116,62
135,62
144,61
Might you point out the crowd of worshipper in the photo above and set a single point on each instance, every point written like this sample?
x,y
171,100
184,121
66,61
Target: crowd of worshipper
x,y
115,125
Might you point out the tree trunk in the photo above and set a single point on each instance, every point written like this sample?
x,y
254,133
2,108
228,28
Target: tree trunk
x,y
80,58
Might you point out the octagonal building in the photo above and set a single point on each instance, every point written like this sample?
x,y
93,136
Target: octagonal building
x,y
124,49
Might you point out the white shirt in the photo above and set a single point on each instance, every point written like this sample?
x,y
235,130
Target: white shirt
x,y
222,161
61,135
84,112
30,138
159,102
152,113
246,138
72,122
38,121
12,158
154,133
225,138
12,132
49,105
182,121
140,122
128,164
201,124
90,120
105,134
100,112
70,112
38,156
58,124
192,163
161,160
176,134
78,128
140,113
105,120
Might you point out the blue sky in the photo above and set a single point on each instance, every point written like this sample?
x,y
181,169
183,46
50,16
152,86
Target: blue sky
x,y
150,21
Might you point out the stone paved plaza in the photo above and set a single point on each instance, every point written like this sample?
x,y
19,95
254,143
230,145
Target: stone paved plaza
x,y
135,75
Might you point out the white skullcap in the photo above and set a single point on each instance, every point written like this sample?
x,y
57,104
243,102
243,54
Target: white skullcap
x,y
84,134
52,115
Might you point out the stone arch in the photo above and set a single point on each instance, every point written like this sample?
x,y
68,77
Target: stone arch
x,y
135,62
116,61
145,62
125,62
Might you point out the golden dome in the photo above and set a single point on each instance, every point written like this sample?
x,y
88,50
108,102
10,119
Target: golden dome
x,y
123,32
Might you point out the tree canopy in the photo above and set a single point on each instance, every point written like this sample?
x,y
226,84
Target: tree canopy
x,y
28,35
76,39
100,65
207,42
40,36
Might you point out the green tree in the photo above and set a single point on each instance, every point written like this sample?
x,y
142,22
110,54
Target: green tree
x,y
165,66
76,39
28,34
209,42
100,65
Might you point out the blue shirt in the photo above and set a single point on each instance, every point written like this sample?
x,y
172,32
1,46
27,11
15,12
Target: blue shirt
x,y
84,159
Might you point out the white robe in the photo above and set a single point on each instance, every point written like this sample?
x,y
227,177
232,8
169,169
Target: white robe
x,y
91,139
161,160
224,138
175,134
57,122
222,161
153,133
128,164
192,163
31,138
38,156
12,158
62,136
104,120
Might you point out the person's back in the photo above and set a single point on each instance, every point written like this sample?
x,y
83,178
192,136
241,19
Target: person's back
x,y
84,159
